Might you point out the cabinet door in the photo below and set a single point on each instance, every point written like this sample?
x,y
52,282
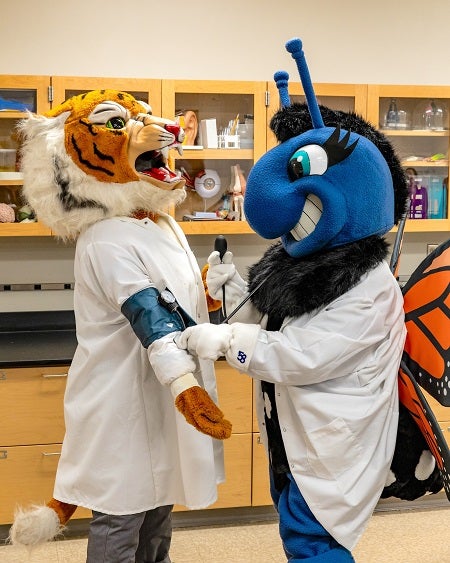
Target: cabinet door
x,y
225,134
27,474
235,397
416,121
344,97
32,405
18,94
260,474
147,90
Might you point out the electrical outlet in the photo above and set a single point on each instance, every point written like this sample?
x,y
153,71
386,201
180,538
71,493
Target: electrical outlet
x,y
431,248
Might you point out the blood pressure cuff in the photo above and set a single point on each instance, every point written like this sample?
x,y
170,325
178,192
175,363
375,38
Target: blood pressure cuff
x,y
150,320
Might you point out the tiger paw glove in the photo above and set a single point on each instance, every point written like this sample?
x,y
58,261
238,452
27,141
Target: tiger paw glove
x,y
198,408
224,273
174,367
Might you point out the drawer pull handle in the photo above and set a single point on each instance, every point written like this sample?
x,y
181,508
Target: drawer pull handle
x,y
50,375
2,375
49,454
3,454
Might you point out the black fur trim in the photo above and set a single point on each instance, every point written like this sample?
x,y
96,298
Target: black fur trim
x,y
296,286
295,119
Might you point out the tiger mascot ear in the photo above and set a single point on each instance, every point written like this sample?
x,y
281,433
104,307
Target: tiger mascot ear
x,y
97,155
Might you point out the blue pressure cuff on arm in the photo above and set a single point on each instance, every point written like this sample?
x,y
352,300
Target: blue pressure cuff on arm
x,y
149,319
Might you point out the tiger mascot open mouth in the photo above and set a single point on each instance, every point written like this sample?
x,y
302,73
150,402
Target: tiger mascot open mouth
x,y
98,155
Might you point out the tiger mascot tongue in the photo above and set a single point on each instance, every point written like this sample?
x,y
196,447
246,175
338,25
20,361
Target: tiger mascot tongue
x,y
96,170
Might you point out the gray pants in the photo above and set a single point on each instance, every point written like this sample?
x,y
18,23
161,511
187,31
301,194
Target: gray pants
x,y
134,538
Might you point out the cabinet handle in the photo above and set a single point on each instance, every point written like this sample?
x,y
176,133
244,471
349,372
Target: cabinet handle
x,y
50,375
3,454
49,454
2,375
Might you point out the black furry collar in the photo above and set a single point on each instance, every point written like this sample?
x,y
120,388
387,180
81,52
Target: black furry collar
x,y
296,286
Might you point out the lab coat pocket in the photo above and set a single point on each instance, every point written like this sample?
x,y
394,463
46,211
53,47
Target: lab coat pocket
x,y
332,449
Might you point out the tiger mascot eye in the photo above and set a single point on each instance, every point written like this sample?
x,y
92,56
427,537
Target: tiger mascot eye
x,y
140,413
98,155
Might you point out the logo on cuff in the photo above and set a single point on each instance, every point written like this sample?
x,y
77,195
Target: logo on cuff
x,y
241,357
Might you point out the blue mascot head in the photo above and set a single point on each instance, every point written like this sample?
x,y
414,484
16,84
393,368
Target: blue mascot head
x,y
322,186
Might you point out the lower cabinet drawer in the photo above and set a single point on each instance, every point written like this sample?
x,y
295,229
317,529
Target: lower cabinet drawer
x,y
27,475
32,405
236,489
260,474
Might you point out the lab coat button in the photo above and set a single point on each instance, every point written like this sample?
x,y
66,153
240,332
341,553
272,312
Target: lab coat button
x,y
284,429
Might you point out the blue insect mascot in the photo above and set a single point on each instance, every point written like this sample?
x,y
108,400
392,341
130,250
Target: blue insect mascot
x,y
323,331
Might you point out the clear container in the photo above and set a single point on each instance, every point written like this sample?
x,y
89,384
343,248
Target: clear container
x,y
245,132
7,160
431,115
396,118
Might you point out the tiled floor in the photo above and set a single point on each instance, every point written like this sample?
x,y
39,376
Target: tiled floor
x,y
399,537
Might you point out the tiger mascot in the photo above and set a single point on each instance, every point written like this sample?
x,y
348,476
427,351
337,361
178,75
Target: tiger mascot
x,y
96,171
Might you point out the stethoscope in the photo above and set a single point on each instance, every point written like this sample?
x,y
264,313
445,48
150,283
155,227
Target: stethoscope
x,y
220,245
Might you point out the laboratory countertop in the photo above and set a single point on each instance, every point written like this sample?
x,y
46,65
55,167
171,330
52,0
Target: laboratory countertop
x,y
37,338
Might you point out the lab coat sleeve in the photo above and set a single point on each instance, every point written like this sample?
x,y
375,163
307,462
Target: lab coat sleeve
x,y
121,277
116,271
332,343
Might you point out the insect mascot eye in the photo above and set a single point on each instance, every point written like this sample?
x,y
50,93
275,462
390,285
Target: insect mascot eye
x,y
308,161
115,123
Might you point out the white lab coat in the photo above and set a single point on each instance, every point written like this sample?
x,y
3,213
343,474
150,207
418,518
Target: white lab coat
x,y
127,449
335,375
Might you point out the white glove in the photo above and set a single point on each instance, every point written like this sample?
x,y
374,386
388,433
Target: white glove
x,y
224,273
168,361
207,341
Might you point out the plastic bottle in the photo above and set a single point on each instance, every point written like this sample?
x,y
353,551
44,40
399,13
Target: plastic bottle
x,y
437,200
391,121
418,205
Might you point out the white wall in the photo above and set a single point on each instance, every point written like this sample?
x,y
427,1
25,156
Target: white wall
x,y
399,42
402,42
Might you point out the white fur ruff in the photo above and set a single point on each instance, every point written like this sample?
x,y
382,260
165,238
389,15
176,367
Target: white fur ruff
x,y
44,144
34,526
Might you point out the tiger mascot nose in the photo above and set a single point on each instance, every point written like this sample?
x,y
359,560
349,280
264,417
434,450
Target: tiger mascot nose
x,y
176,131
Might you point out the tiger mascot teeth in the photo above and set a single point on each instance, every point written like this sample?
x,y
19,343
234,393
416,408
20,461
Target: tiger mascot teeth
x,y
105,155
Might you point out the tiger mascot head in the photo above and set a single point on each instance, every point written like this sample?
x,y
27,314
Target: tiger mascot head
x,y
98,155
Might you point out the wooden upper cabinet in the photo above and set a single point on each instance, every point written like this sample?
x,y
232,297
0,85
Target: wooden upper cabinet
x,y
420,141
416,121
344,97
225,131
147,90
18,95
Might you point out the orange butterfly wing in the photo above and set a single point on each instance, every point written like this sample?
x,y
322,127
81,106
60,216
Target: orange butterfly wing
x,y
427,318
426,357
